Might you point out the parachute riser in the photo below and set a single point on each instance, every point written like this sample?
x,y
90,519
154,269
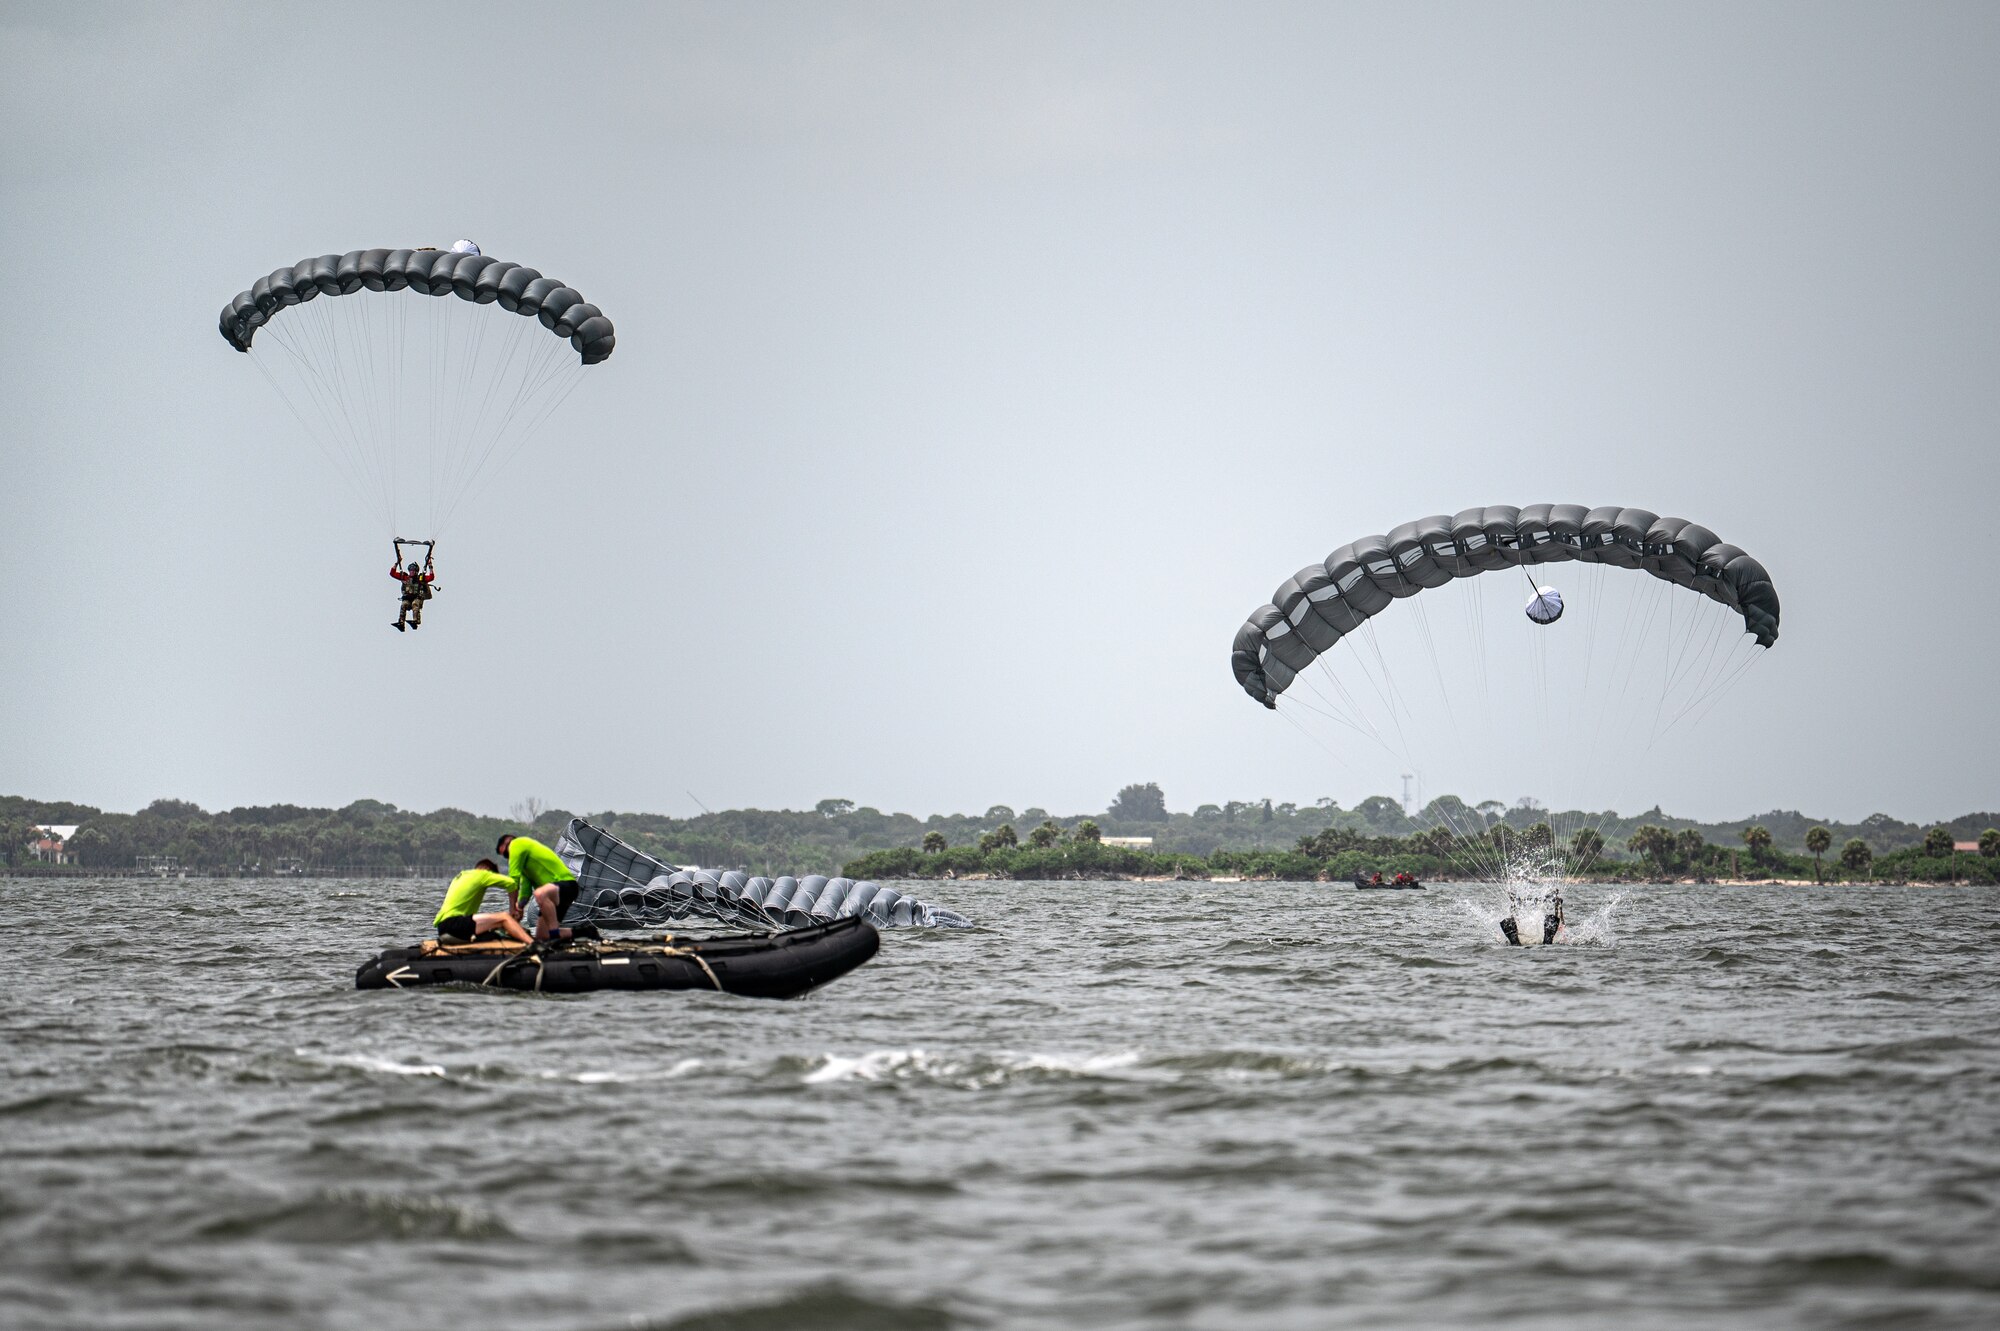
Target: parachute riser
x,y
430,552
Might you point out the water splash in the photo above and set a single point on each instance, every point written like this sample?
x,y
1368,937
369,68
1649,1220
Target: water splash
x,y
1533,886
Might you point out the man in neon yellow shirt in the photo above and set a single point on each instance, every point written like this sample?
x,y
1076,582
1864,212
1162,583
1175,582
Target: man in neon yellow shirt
x,y
539,872
460,920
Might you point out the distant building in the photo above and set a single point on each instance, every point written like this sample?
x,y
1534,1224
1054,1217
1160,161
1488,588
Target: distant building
x,y
1129,842
51,843
1966,847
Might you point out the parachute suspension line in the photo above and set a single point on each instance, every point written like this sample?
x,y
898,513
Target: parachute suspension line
x,y
335,353
554,386
1394,698
462,386
1397,701
351,351
441,365
1716,668
396,314
483,390
1328,749
375,374
1474,851
361,367
1539,649
324,389
1742,668
1631,656
1333,715
1682,667
1359,724
1475,602
1594,593
447,394
1361,721
1437,669
468,340
1669,657
340,464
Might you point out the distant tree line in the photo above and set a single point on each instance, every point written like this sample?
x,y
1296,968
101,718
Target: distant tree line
x,y
1439,853
1248,838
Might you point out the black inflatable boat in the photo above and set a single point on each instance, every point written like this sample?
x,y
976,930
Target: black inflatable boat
x,y
780,965
1363,884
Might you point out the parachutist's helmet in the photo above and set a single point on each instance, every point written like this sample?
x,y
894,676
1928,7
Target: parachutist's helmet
x,y
464,247
415,567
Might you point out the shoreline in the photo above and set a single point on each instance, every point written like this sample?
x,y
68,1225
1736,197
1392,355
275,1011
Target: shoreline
x,y
1113,877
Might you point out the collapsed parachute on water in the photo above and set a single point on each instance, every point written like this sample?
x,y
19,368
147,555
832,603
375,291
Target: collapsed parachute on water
x,y
622,888
1324,602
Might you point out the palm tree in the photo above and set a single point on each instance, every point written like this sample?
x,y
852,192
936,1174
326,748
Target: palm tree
x,y
1689,843
1087,830
1046,835
1817,841
1989,842
1586,846
1758,840
1857,855
1653,843
934,843
1938,843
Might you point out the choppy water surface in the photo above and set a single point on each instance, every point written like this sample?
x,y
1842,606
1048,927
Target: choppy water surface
x,y
1116,1105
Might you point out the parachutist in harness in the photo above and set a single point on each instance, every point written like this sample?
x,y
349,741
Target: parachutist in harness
x,y
416,582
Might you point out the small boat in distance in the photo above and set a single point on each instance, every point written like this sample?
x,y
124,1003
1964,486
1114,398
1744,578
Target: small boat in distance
x,y
1402,882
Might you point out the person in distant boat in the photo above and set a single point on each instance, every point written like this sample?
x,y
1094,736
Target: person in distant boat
x,y
1376,879
416,590
460,920
539,872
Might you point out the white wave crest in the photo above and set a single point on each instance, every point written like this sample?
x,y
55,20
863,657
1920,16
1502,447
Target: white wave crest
x,y
372,1063
970,1072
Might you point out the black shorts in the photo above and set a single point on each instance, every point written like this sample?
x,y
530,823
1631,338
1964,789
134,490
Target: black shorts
x,y
457,927
565,897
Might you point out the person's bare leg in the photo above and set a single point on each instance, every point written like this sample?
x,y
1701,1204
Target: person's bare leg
x,y
546,897
504,922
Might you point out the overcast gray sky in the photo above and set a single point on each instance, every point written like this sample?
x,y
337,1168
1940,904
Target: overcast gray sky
x,y
979,368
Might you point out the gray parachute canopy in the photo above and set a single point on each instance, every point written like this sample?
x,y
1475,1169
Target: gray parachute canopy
x,y
479,278
1324,602
622,888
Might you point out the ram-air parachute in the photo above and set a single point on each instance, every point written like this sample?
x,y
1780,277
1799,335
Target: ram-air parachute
x,y
1324,602
1407,653
418,403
